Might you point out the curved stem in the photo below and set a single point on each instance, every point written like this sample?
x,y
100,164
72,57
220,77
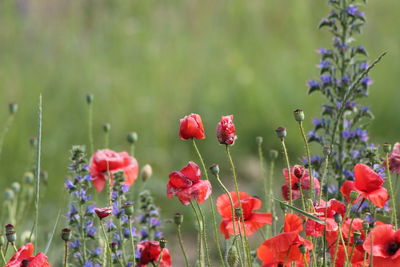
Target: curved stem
x,y
3,256
393,196
309,160
200,248
6,128
288,168
179,234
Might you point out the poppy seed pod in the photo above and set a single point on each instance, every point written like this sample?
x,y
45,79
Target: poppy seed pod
x,y
365,225
163,243
338,218
106,127
11,236
28,178
16,187
12,108
146,172
298,115
89,98
9,227
178,218
66,234
259,140
25,263
129,209
233,256
132,137
387,148
8,195
273,154
238,213
214,168
281,132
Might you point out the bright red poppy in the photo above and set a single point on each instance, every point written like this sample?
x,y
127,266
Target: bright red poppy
x,y
150,251
394,159
299,176
226,130
284,248
252,220
186,185
105,160
191,127
368,184
103,212
24,255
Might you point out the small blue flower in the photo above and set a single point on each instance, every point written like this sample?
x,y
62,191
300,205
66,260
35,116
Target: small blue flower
x,y
69,185
97,251
352,10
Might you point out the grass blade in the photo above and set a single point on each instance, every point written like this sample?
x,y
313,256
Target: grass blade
x,y
302,212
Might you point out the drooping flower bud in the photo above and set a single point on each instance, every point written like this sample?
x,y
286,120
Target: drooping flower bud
x,y
387,148
132,137
214,168
281,132
273,154
66,234
12,108
163,243
178,218
259,140
233,256
298,115
146,172
89,98
106,127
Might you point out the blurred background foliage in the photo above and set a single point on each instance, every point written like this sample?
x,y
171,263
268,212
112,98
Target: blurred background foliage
x,y
149,63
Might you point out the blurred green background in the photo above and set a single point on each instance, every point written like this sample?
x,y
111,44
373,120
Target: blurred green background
x,y
149,63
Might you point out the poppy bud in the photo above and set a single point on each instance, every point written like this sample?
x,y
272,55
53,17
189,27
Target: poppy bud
x,y
163,243
9,227
354,195
327,150
106,127
12,108
238,213
66,234
146,172
338,218
28,178
113,246
273,154
16,187
89,98
226,130
357,234
365,225
8,195
298,115
387,148
103,212
178,218
233,256
302,248
259,140
128,208
191,126
11,236
132,137
214,168
33,141
281,132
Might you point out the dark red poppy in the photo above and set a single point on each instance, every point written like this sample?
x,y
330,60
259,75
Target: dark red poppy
x,y
24,254
103,212
104,161
186,185
191,126
284,248
150,251
394,159
299,176
383,243
252,220
368,184
226,130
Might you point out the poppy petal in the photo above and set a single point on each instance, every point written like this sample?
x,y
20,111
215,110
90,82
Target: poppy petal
x,y
98,182
366,179
293,223
192,171
379,197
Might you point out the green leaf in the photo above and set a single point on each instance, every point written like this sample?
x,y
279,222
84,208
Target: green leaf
x,y
308,215
52,234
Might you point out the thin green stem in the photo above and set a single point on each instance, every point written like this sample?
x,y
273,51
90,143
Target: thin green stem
x,y
271,195
179,234
132,240
200,248
240,205
3,256
6,128
285,153
14,247
82,232
323,177
132,149
204,233
65,254
90,128
393,196
303,134
107,243
211,203
106,139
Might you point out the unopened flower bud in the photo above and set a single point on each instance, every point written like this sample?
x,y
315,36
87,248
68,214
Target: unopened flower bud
x,y
365,225
16,187
387,148
146,172
29,178
163,243
338,218
214,168
8,195
357,234
66,234
233,256
273,154
259,140
11,236
327,150
238,212
178,218
89,98
132,137
106,127
129,209
281,132
12,108
9,227
298,115
354,195
302,248
33,141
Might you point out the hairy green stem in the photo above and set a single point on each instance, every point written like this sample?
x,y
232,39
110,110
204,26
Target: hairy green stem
x,y
65,253
132,240
107,243
393,196
303,134
271,195
203,220
285,153
201,252
179,234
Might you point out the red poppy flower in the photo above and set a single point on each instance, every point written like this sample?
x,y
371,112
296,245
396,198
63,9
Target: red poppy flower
x,y
186,185
24,254
368,184
226,130
284,248
104,161
252,220
150,251
394,159
191,126
299,176
384,245
103,212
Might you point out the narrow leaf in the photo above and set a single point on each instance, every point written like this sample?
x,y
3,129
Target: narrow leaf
x,y
308,215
